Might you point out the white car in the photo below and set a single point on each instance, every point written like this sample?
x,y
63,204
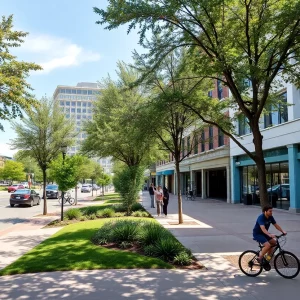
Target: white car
x,y
25,184
86,188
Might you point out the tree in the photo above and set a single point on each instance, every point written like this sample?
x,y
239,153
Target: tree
x,y
30,165
115,129
41,136
104,180
95,173
236,42
13,170
167,118
14,90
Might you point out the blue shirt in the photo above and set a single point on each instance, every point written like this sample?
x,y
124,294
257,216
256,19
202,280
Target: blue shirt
x,y
262,220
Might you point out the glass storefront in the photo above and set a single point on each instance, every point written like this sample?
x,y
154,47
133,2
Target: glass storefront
x,y
278,186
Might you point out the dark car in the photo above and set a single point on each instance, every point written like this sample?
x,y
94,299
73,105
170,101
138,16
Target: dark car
x,y
52,191
24,196
15,187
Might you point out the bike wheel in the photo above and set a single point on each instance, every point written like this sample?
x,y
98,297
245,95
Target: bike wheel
x,y
59,200
248,263
71,201
287,264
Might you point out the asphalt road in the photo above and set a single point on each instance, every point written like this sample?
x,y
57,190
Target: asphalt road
x,y
10,216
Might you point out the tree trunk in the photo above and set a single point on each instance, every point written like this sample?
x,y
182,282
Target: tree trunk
x,y
261,166
180,217
44,191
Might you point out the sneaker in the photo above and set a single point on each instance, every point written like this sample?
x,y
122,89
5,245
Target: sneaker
x,y
260,260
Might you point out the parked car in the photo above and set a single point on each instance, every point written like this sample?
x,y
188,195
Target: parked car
x,y
95,187
52,191
282,191
25,184
86,188
15,187
24,196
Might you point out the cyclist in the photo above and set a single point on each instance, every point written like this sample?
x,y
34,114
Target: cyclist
x,y
261,234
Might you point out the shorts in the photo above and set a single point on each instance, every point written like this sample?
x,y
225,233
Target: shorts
x,y
262,238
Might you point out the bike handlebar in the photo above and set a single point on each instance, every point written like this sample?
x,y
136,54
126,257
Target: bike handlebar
x,y
280,236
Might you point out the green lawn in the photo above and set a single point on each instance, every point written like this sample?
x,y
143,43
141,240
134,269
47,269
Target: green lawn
x,y
112,197
71,249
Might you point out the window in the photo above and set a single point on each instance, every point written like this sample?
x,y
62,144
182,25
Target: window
x,y
89,111
220,138
220,89
79,110
68,91
90,92
196,144
84,104
203,141
211,137
63,91
89,104
209,94
278,113
89,117
67,116
78,91
78,117
67,103
244,127
84,110
62,103
78,103
73,110
73,91
84,117
73,103
84,92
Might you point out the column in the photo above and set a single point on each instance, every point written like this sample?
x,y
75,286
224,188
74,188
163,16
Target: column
x,y
228,184
294,177
235,182
203,178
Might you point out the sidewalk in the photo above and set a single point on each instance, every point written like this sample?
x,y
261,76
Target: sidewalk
x,y
215,231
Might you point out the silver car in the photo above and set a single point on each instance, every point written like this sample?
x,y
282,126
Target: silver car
x,y
86,188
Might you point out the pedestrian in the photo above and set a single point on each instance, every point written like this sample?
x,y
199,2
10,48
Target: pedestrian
x,y
159,194
165,200
151,193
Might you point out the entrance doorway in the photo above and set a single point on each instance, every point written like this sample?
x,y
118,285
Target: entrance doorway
x,y
217,184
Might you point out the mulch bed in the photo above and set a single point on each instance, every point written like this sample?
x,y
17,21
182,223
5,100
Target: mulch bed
x,y
195,265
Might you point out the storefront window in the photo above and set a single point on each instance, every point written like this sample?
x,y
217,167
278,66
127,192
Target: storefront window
x,y
278,188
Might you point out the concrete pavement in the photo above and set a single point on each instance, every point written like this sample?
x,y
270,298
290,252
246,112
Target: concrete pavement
x,y
215,231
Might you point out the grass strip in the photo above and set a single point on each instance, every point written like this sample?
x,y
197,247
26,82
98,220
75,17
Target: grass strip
x,y
71,249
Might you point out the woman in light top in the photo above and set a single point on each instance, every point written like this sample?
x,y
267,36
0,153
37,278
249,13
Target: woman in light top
x,y
159,194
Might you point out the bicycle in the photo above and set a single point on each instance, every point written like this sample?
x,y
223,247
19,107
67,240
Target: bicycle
x,y
190,195
67,198
286,263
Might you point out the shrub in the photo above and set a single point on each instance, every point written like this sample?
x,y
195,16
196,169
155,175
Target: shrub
x,y
167,248
144,214
182,259
137,206
90,210
119,214
125,245
119,208
125,230
106,213
92,217
136,213
103,235
151,233
83,218
72,213
149,250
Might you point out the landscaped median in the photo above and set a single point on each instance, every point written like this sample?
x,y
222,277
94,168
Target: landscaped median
x,y
102,237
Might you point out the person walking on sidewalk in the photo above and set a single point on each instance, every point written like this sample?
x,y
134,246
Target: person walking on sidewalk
x,y
159,194
261,234
151,193
165,200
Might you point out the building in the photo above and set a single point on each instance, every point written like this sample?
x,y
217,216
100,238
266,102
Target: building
x,y
206,170
281,144
76,102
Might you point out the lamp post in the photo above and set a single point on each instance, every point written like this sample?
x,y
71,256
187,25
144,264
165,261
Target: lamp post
x,y
64,152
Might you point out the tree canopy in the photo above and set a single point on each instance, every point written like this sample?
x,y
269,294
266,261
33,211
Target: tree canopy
x,y
13,170
15,93
42,134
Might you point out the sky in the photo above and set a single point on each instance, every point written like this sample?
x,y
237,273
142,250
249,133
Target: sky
x,y
66,41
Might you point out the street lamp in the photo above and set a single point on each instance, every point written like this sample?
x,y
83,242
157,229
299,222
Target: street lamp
x,y
64,149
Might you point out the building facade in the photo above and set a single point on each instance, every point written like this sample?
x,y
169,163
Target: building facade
x,y
281,144
76,102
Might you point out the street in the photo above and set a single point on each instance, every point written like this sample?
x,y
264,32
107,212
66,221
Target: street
x,y
10,216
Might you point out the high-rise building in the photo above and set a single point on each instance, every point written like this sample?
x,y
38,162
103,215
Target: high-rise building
x,y
76,102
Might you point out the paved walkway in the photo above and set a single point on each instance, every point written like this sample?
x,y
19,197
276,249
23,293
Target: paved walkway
x,y
215,231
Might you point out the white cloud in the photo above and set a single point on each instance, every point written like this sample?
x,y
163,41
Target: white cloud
x,y
53,52
6,151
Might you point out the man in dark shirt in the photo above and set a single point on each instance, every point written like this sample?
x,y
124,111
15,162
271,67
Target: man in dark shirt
x,y
261,234
151,193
